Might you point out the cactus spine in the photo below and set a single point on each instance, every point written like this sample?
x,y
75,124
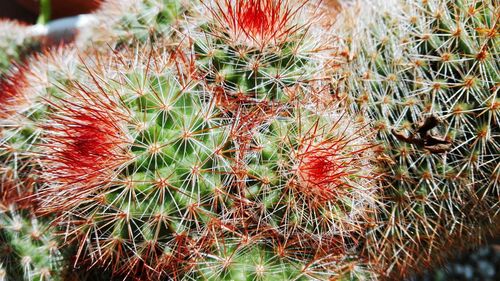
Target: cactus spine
x,y
29,250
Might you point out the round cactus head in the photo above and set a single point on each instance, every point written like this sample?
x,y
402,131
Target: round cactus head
x,y
254,50
310,179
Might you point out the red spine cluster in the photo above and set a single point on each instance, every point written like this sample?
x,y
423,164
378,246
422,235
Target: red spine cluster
x,y
325,169
261,21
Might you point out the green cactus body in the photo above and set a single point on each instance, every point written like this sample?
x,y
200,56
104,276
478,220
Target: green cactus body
x,y
21,108
242,262
428,74
132,22
28,249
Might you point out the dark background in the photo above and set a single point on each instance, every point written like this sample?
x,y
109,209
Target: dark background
x,y
12,10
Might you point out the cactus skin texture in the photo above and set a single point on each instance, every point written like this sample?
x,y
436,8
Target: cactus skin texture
x,y
250,51
28,248
427,73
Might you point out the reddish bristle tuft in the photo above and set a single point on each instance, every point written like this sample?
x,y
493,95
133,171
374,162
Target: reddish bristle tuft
x,y
322,169
85,144
326,169
11,95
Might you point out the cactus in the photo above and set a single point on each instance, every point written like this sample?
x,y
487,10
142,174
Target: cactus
x,y
138,161
245,261
29,250
257,260
310,179
427,73
144,168
250,51
203,142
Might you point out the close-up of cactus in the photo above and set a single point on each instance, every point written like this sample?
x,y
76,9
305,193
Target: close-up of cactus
x,y
138,168
145,169
236,261
132,22
21,107
250,140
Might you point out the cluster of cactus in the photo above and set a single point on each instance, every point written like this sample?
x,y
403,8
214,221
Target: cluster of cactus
x,y
222,140
427,73
148,172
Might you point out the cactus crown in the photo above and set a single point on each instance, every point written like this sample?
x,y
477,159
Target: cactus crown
x,y
254,51
255,22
